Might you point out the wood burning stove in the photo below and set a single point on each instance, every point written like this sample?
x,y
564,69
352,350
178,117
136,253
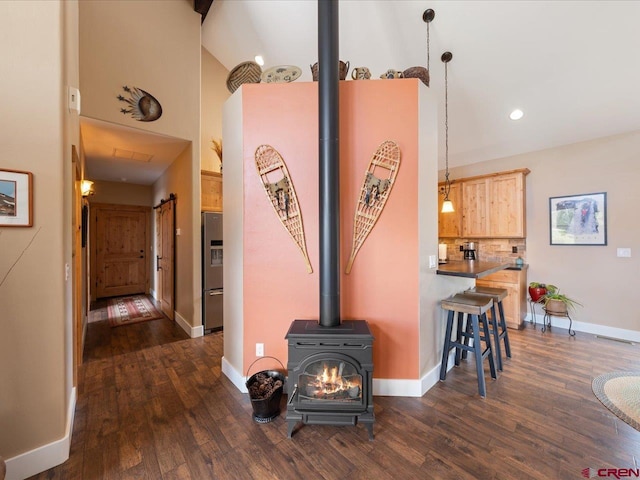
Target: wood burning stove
x,y
330,363
330,374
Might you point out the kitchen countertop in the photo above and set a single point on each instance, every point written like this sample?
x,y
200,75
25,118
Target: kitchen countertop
x,y
513,266
471,268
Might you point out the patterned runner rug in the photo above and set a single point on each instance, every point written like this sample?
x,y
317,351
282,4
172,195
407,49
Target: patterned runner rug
x,y
131,309
620,393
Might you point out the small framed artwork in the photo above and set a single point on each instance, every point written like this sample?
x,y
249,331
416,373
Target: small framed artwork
x,y
578,219
16,194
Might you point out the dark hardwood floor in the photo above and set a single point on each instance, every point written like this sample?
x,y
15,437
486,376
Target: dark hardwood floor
x,y
103,342
153,404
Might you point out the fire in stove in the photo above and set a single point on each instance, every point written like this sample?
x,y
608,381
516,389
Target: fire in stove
x,y
332,383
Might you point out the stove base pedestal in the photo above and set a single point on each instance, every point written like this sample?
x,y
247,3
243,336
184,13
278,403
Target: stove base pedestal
x,y
333,418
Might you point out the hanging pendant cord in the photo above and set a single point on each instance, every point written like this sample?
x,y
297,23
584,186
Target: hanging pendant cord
x,y
447,185
428,54
428,17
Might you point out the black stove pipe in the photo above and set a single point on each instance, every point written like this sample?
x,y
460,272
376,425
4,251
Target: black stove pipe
x,y
329,164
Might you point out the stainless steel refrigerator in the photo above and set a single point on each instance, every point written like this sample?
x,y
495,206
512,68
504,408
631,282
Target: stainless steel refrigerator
x,y
212,267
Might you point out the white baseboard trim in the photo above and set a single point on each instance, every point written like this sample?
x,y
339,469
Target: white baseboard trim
x,y
48,456
594,328
382,387
232,374
193,332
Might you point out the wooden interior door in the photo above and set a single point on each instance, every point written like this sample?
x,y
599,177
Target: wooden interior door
x,y
121,241
165,223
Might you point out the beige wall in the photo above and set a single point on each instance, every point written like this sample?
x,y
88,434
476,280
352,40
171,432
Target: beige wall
x,y
36,132
214,94
122,194
602,282
150,45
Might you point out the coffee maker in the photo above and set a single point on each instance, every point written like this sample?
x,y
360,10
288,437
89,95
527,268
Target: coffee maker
x,y
469,250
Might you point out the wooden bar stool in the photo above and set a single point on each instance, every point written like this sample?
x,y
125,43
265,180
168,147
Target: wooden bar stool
x,y
476,308
498,324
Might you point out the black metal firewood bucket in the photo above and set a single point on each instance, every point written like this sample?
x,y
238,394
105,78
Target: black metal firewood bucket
x,y
265,391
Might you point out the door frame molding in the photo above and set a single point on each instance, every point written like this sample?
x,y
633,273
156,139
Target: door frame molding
x,y
79,315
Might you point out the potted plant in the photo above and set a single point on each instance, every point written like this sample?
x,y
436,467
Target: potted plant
x,y
556,303
538,290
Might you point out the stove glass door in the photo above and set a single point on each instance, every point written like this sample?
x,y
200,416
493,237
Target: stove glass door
x,y
330,381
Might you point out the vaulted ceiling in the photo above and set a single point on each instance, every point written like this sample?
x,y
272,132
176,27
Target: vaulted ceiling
x,y
571,66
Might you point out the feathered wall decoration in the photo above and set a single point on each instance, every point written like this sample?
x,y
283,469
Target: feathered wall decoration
x,y
142,105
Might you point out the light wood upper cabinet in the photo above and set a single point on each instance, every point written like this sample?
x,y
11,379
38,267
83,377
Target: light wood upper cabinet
x,y
475,208
490,206
450,224
506,198
211,191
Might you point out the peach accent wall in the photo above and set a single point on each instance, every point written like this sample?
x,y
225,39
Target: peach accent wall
x,y
383,286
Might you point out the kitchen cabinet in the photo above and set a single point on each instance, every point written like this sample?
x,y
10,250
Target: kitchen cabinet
x,y
450,224
475,208
515,303
506,202
211,191
487,206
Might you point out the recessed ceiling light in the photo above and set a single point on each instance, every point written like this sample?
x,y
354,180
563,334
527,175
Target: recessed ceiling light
x,y
259,60
517,114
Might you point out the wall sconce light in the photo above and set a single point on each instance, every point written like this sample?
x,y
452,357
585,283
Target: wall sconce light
x,y
447,205
86,188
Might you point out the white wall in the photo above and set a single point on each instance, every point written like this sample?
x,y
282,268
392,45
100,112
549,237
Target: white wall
x,y
232,226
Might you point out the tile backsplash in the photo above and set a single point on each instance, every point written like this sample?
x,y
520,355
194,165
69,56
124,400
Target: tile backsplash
x,y
488,249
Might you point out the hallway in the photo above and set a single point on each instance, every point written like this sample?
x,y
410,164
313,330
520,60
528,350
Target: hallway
x,y
103,342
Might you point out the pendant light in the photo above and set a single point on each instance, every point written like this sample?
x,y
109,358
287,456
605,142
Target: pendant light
x,y
447,205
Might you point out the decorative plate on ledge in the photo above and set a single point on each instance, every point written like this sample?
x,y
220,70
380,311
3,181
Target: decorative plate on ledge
x,y
246,72
281,74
